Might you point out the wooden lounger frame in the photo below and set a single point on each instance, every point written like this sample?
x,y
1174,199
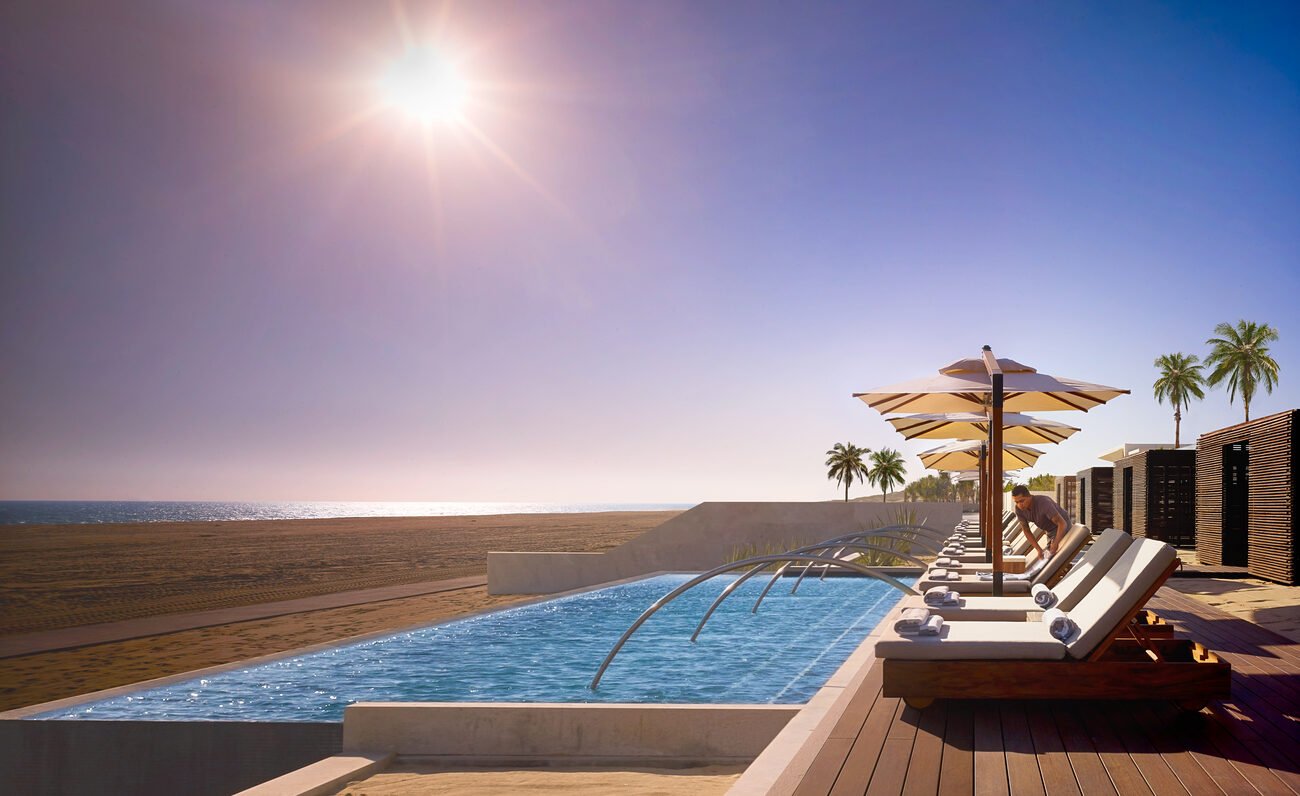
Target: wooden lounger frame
x,y
1140,666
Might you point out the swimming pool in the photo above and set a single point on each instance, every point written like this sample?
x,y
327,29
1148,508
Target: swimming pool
x,y
548,652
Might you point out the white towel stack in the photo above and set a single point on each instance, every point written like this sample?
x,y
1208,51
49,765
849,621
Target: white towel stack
x,y
1043,596
931,626
1059,625
941,595
942,573
943,561
911,619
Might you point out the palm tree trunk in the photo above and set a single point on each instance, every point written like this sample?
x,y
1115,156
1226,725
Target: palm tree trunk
x,y
846,491
1178,417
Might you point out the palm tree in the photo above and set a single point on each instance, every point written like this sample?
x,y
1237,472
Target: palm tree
x,y
1180,381
845,463
1240,355
888,470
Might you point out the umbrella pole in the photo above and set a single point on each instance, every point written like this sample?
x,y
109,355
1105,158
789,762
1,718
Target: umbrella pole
x,y
986,528
995,460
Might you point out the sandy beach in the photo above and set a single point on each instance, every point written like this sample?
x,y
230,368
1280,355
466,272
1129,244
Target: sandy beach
x,y
65,576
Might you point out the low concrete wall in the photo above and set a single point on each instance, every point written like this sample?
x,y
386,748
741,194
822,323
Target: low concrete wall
x,y
555,733
701,539
190,757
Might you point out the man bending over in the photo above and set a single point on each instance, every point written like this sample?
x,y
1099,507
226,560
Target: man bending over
x,y
1043,512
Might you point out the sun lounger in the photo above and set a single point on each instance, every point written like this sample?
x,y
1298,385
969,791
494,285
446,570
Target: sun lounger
x,y
1023,660
1048,574
1067,593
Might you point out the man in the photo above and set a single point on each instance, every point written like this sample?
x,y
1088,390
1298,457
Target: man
x,y
1043,512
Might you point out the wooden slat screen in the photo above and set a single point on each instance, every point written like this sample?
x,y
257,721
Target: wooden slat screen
x,y
1096,497
1164,495
1273,471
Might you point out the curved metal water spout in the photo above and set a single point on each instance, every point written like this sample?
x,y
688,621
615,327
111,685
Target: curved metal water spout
x,y
926,544
693,582
830,561
751,573
880,533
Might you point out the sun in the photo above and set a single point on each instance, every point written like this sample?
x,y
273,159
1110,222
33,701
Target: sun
x,y
426,86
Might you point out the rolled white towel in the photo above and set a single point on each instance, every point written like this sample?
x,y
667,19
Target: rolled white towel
x,y
943,574
952,598
954,565
953,550
985,575
911,619
1059,625
1043,596
1006,549
943,561
931,626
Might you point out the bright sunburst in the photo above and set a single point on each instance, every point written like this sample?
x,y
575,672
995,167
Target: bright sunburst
x,y
426,86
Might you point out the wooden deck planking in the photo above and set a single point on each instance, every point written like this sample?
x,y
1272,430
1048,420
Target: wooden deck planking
x,y
927,752
1119,764
1248,744
990,756
1022,765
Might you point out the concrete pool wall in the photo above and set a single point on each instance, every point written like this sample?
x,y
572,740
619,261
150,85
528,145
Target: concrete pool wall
x,y
701,539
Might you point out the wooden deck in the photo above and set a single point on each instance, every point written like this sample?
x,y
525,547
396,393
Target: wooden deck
x,y
1248,745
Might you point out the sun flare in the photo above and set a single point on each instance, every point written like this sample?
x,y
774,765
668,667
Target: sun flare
x,y
425,86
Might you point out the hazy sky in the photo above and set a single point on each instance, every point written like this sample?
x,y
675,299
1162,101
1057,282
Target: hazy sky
x,y
667,244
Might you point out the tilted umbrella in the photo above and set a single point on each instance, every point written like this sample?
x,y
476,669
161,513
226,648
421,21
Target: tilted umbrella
x,y
1016,427
965,455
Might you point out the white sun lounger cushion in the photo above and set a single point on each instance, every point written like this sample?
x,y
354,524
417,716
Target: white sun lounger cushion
x,y
974,641
1117,593
1101,556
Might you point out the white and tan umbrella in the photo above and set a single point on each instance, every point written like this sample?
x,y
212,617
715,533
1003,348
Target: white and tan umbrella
x,y
965,386
965,455
991,386
1016,427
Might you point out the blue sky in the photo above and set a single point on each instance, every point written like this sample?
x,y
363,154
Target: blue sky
x,y
667,245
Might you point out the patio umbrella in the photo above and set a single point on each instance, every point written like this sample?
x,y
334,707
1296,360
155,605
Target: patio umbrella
x,y
966,386
965,455
1016,427
993,386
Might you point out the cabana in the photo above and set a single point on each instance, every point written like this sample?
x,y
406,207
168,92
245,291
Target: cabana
x,y
1096,488
1155,495
1246,514
1065,496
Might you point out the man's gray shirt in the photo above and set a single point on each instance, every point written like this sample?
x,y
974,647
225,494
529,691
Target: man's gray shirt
x,y
1043,512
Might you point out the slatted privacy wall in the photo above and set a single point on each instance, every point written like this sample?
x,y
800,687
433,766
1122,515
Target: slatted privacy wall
x,y
1246,478
1096,488
1161,495
1066,495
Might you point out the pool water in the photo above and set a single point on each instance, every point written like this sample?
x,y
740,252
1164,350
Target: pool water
x,y
549,652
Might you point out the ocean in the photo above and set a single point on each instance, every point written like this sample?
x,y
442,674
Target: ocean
x,y
81,512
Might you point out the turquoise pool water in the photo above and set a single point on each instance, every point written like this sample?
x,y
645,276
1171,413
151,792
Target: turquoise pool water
x,y
548,652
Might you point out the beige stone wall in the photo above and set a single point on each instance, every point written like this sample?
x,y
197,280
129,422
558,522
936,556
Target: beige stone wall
x,y
702,538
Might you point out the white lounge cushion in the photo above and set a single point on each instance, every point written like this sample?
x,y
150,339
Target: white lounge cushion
x,y
974,641
971,584
1118,592
980,608
1101,556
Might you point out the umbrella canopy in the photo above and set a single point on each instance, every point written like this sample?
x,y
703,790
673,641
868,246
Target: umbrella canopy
x,y
965,386
975,425
965,455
